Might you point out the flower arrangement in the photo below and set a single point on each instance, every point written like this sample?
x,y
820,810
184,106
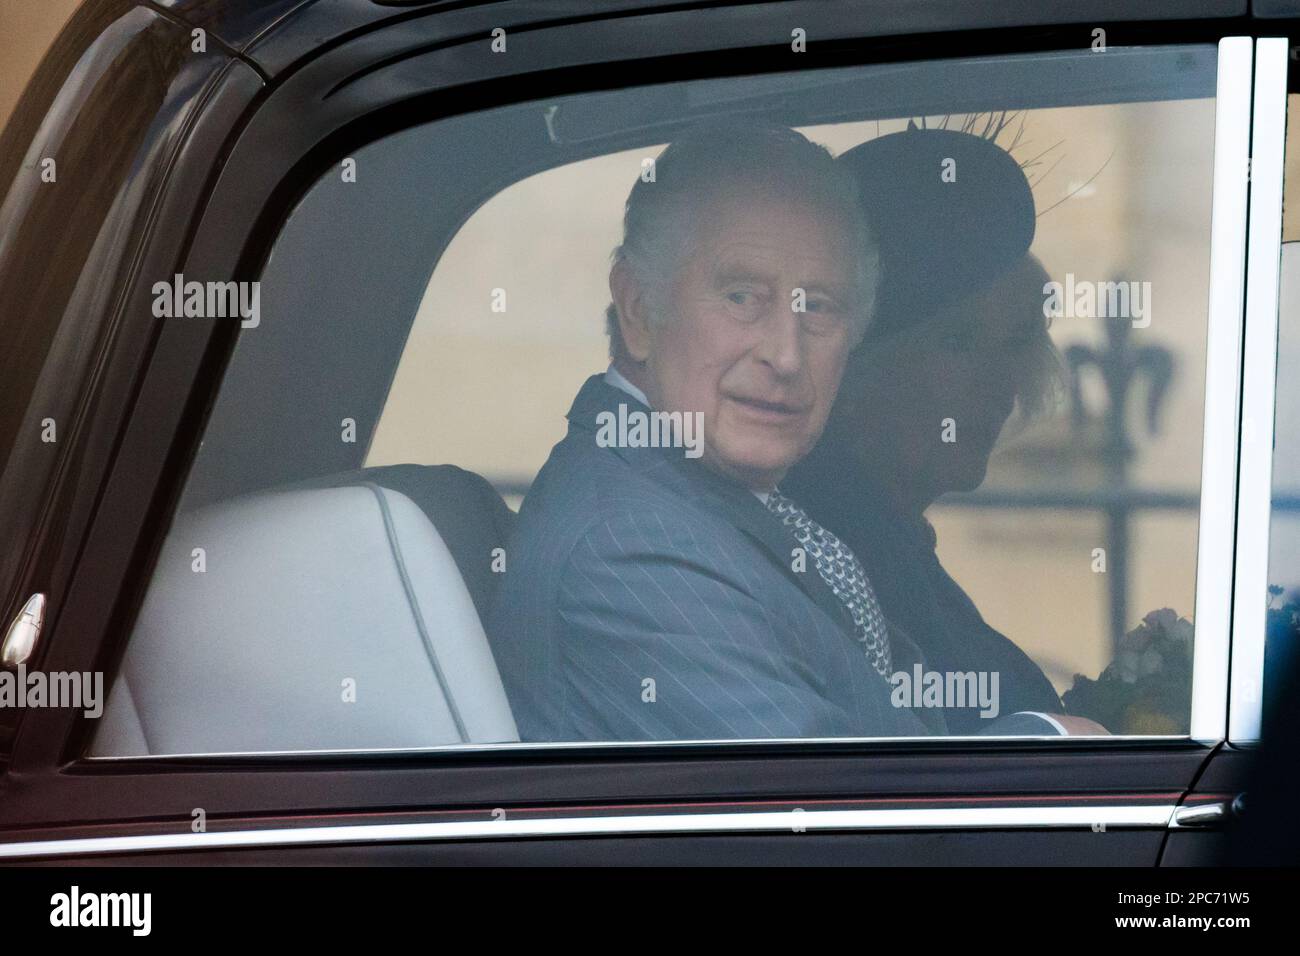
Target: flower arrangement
x,y
1147,688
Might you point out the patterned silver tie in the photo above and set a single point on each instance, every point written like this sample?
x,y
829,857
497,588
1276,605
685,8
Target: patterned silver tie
x,y
843,574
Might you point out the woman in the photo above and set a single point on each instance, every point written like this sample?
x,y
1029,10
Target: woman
x,y
958,340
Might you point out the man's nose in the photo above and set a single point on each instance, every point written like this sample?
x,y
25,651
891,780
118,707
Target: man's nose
x,y
780,343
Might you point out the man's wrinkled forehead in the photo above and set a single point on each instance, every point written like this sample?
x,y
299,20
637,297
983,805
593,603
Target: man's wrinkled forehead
x,y
745,261
751,235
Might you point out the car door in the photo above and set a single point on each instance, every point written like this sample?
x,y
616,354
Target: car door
x,y
290,164
1264,631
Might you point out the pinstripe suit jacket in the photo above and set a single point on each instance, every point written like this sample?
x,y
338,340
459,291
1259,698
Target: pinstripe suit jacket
x,y
646,598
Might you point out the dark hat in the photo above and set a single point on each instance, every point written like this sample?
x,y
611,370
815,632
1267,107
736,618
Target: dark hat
x,y
951,212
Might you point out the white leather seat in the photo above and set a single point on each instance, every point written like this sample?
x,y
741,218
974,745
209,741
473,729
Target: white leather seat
x,y
305,591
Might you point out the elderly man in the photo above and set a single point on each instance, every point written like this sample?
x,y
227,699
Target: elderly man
x,y
659,585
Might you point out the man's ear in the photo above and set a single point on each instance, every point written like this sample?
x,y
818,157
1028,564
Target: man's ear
x,y
633,314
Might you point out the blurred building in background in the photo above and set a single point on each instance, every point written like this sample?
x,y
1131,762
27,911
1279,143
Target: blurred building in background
x,y
1023,546
27,28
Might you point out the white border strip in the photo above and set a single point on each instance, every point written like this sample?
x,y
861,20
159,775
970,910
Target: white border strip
x,y
1255,481
787,821
1222,382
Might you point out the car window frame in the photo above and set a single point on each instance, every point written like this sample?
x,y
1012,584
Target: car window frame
x,y
1258,392
188,359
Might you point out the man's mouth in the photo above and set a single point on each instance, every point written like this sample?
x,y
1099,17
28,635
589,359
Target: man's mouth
x,y
769,410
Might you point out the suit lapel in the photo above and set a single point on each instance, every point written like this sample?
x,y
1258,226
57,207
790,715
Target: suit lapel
x,y
690,478
747,513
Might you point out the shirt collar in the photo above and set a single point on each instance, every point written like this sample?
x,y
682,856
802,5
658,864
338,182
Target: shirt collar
x,y
617,379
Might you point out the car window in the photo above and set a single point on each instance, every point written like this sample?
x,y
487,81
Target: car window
x,y
885,395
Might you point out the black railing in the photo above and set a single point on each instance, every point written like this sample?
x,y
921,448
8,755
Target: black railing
x,y
1118,506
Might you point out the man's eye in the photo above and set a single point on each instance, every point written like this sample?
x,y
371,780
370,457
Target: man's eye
x,y
745,305
823,306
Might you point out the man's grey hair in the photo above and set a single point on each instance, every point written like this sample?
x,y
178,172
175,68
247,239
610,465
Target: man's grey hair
x,y
733,158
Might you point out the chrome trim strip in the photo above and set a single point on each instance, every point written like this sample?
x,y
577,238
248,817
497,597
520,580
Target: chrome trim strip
x,y
1213,614
1200,816
722,747
794,820
1255,481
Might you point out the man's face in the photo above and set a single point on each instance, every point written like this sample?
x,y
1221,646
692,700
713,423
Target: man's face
x,y
733,345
